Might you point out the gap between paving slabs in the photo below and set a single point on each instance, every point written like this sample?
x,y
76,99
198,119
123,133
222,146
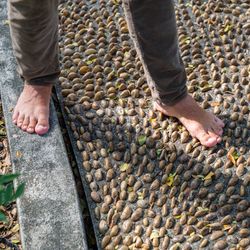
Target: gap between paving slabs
x,y
49,212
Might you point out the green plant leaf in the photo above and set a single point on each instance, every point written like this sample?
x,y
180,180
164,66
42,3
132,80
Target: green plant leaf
x,y
3,217
7,178
8,193
19,191
158,151
142,139
2,197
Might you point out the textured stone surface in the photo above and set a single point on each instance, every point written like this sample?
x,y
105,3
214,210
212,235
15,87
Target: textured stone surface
x,y
148,184
49,213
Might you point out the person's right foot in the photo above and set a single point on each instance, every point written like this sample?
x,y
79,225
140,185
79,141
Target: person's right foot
x,y
31,113
201,124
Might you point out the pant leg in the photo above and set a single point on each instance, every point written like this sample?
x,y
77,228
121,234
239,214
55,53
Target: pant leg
x,y
152,25
34,33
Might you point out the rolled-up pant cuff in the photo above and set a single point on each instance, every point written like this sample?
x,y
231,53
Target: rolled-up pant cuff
x,y
173,99
44,80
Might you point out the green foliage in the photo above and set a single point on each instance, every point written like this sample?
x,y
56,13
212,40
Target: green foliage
x,y
7,192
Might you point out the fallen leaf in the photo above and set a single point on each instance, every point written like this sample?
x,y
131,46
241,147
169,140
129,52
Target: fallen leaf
x,y
15,228
233,157
209,176
228,28
18,154
170,179
191,66
115,2
15,241
140,196
214,104
142,139
152,120
6,22
177,217
158,151
124,167
203,209
226,227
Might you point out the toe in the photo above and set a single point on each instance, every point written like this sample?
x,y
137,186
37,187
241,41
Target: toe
x,y
207,139
219,122
219,140
25,123
217,130
20,120
15,116
42,126
32,125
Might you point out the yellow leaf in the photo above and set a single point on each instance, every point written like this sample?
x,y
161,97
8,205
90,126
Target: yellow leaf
x,y
130,189
193,233
124,167
233,156
6,22
209,176
170,181
140,196
226,227
15,228
203,209
214,104
152,119
18,154
228,28
15,241
177,217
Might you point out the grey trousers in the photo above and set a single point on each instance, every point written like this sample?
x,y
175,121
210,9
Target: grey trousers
x,y
34,32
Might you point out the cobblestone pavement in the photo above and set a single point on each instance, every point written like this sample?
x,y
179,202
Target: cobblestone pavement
x,y
149,185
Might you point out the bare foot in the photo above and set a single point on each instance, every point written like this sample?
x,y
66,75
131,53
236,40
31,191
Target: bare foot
x,y
201,124
31,113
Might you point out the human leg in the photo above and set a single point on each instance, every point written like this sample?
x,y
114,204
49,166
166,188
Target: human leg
x,y
153,29
33,29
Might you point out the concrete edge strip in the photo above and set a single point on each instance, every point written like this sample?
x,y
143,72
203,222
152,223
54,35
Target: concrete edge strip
x,y
49,211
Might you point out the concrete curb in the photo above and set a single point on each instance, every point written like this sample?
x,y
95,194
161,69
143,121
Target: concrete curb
x,y
49,212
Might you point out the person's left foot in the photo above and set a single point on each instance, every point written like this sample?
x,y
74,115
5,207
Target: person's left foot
x,y
31,113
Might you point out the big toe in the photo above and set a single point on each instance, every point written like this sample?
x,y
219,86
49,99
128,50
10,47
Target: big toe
x,y
42,126
208,140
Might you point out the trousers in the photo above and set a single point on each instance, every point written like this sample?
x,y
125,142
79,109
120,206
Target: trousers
x,y
152,26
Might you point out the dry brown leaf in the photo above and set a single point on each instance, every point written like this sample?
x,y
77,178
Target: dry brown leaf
x,y
18,154
214,104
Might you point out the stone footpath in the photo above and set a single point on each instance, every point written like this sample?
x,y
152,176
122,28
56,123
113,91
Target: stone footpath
x,y
149,185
